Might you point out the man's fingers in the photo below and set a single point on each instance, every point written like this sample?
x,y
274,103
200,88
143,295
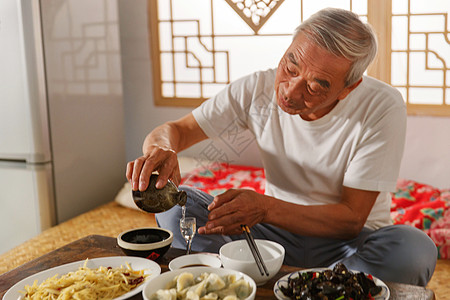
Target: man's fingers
x,y
223,198
137,166
166,172
129,171
176,176
147,170
142,169
210,228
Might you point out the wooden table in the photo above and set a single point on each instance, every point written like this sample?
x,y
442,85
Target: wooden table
x,y
100,246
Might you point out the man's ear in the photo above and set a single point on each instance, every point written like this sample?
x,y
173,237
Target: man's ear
x,y
348,89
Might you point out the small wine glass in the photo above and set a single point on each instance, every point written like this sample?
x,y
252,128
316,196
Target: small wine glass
x,y
188,228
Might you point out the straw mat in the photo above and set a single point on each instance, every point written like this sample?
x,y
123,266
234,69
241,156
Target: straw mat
x,y
440,282
108,220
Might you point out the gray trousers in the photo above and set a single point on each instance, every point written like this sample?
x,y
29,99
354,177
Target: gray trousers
x,y
397,253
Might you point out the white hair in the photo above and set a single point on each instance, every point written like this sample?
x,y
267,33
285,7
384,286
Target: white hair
x,y
342,33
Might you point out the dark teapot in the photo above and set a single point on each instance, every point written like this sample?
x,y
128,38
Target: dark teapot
x,y
155,200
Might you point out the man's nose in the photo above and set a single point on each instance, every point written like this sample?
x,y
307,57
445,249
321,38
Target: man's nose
x,y
295,87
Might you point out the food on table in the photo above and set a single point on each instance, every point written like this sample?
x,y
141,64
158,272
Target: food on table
x,y
337,284
207,286
86,283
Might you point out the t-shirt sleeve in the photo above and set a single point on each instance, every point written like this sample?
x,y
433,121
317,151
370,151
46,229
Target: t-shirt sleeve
x,y
227,110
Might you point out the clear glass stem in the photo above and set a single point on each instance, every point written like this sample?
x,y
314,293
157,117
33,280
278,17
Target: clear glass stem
x,y
188,246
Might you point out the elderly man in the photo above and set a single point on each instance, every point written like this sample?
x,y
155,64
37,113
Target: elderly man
x,y
331,141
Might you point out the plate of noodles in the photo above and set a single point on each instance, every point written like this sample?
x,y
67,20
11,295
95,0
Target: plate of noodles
x,y
115,277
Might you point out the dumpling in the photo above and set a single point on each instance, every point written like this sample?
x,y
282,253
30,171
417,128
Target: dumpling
x,y
229,279
241,288
230,297
190,295
214,283
170,294
226,292
202,277
184,280
199,289
210,296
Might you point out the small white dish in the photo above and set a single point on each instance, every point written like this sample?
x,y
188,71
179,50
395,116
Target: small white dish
x,y
195,260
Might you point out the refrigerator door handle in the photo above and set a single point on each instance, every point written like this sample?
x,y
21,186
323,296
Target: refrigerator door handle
x,y
36,79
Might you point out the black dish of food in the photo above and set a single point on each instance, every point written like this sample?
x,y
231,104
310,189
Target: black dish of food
x,y
336,284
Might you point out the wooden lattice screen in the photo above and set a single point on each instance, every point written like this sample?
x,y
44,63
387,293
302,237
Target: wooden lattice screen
x,y
197,47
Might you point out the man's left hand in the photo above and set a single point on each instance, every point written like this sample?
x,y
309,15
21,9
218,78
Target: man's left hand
x,y
233,208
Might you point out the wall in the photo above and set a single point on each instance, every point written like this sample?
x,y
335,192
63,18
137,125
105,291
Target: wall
x,y
426,156
84,86
427,151
141,115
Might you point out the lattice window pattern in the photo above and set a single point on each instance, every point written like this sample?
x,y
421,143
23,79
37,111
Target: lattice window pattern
x,y
255,13
420,66
200,46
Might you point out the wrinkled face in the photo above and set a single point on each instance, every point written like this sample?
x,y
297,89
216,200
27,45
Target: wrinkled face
x,y
310,80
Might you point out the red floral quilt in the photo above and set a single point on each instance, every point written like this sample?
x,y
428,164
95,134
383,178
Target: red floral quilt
x,y
415,204
426,208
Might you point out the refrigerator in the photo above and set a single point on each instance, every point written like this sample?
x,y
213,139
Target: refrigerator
x,y
61,153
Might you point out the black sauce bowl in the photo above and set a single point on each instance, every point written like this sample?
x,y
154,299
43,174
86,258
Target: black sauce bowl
x,y
151,242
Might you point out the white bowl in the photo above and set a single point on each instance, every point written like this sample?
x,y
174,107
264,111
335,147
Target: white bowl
x,y
237,256
161,281
195,260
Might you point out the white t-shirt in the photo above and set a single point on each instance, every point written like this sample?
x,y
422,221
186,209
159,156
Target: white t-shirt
x,y
359,144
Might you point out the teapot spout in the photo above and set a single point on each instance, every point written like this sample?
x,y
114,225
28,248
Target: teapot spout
x,y
182,198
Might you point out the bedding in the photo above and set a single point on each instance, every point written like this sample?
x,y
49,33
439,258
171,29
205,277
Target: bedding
x,y
424,207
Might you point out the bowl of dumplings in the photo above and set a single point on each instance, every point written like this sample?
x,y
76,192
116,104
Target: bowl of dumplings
x,y
200,282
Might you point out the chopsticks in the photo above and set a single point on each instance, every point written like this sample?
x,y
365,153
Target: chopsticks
x,y
255,252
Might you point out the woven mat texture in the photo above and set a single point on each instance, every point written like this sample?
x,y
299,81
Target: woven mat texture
x,y
111,219
108,220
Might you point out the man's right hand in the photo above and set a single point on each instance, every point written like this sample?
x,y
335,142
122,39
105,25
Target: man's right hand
x,y
160,152
158,158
